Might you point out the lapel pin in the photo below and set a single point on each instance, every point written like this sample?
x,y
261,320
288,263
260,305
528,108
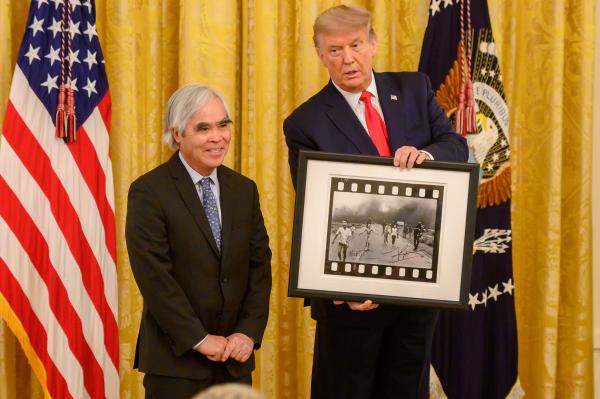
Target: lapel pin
x,y
394,97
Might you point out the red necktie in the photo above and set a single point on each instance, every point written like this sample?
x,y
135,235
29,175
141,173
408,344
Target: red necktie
x,y
375,125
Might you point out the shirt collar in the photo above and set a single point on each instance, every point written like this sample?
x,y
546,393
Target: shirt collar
x,y
195,175
354,98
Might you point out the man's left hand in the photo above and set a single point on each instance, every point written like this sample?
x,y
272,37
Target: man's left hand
x,y
239,347
407,156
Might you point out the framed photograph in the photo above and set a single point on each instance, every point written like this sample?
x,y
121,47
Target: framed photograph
x,y
364,229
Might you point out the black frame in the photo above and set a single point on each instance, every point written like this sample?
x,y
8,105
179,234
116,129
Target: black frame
x,y
410,280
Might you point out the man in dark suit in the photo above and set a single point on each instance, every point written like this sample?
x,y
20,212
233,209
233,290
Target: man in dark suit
x,y
200,255
363,350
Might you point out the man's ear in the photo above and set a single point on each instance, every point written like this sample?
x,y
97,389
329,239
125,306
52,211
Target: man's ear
x,y
373,43
176,136
321,55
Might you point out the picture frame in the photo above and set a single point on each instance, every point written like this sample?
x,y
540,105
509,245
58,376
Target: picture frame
x,y
364,229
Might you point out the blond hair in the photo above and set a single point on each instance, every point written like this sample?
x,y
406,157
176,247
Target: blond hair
x,y
343,18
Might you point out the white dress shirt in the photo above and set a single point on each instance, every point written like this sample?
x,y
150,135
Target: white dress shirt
x,y
358,106
214,186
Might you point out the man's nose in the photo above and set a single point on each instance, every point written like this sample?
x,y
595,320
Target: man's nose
x,y
215,135
347,55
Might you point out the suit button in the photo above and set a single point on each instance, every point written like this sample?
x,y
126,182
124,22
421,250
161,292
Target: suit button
x,y
224,280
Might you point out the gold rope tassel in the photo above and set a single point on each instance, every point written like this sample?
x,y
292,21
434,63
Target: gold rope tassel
x,y
465,121
60,113
65,110
71,118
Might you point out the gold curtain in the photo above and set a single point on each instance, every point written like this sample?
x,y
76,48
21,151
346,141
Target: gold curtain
x,y
259,54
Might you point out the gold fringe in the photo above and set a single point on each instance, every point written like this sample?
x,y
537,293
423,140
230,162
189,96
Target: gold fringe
x,y
436,390
14,324
495,190
517,391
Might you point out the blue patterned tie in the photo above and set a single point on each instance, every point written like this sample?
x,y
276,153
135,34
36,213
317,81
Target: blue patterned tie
x,y
210,209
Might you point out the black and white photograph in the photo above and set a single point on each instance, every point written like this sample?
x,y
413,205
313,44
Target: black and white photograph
x,y
364,229
380,223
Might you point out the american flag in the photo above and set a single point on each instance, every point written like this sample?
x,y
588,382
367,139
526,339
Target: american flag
x,y
58,279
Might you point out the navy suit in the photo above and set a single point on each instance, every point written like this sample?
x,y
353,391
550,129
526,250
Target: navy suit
x,y
383,352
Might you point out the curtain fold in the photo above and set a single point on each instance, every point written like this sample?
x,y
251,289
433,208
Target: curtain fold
x,y
260,56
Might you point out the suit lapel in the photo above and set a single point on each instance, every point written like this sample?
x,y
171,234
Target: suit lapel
x,y
392,105
189,195
344,118
227,197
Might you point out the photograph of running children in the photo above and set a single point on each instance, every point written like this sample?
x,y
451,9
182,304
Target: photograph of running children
x,y
391,230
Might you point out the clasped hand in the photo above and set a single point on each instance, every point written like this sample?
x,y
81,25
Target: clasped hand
x,y
236,346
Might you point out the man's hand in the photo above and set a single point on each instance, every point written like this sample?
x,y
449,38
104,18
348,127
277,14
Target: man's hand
x,y
239,347
407,156
361,306
213,347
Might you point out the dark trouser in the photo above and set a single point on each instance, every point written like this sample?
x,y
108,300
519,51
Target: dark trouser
x,y
380,362
159,386
342,249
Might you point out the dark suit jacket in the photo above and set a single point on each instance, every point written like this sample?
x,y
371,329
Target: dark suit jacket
x,y
412,116
189,289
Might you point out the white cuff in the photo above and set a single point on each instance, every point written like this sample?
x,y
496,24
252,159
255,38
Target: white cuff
x,y
428,154
199,343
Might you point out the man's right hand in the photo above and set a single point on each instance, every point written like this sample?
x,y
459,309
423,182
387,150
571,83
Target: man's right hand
x,y
360,306
213,347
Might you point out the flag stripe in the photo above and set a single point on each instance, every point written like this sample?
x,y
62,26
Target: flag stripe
x,y
102,113
36,161
9,286
37,206
56,296
98,124
87,161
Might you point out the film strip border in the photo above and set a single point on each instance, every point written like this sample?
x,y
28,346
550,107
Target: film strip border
x,y
403,189
380,271
387,188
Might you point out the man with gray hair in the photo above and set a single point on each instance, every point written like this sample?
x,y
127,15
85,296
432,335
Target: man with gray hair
x,y
363,350
199,252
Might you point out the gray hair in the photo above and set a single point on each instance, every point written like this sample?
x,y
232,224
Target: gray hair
x,y
184,103
342,18
230,390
